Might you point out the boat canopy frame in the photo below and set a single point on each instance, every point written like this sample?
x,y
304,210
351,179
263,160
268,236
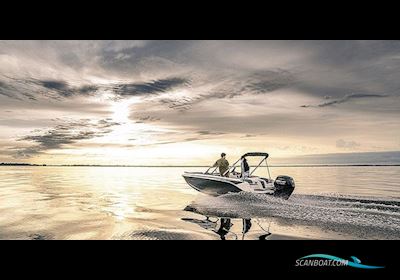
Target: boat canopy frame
x,y
252,154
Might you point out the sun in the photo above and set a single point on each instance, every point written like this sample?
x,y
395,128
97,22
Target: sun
x,y
121,109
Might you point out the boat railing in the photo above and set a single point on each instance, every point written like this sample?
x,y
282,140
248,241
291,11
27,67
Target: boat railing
x,y
233,166
212,171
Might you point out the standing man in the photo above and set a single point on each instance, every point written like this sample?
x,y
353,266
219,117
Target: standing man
x,y
245,168
223,165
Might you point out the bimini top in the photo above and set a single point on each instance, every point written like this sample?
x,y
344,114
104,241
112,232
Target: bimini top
x,y
256,154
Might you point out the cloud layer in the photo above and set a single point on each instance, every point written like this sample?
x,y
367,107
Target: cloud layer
x,y
291,96
64,134
346,98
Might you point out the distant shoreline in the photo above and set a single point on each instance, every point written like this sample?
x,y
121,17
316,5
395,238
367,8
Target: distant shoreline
x,y
189,166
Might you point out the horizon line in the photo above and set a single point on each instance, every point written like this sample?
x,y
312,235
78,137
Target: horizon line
x,y
204,166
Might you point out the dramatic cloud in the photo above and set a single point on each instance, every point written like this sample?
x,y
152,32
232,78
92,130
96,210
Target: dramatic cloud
x,y
63,89
64,134
268,80
231,86
206,95
34,89
56,85
146,119
181,103
206,132
346,98
153,87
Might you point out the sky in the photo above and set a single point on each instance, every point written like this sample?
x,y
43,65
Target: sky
x,y
185,102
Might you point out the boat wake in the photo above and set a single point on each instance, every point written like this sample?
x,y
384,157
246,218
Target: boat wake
x,y
361,217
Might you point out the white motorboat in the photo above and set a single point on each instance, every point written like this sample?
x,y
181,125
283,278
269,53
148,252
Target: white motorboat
x,y
216,184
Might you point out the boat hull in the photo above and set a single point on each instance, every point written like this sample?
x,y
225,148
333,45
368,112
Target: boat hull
x,y
211,186
217,185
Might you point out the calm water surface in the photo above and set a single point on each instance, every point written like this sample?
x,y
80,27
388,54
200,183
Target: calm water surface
x,y
156,203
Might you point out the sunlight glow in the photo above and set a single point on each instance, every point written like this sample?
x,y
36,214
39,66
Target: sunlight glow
x,y
121,109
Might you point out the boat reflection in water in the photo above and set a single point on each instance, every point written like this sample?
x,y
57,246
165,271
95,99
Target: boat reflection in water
x,y
225,226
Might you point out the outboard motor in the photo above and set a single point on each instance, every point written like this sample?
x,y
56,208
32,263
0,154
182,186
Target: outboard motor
x,y
284,186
